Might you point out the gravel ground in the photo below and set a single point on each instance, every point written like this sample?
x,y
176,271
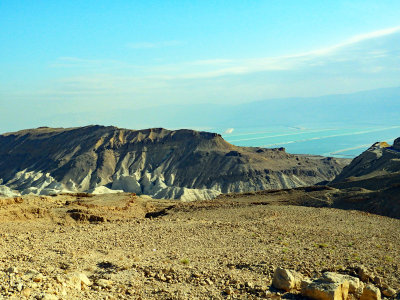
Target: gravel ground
x,y
221,249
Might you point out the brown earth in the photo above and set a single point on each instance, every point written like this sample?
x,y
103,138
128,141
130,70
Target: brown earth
x,y
139,248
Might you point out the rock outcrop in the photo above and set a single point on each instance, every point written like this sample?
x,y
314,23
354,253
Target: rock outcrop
x,y
380,160
181,164
330,286
371,181
371,292
286,280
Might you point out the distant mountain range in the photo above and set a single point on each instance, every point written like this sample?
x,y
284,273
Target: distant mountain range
x,y
373,107
181,164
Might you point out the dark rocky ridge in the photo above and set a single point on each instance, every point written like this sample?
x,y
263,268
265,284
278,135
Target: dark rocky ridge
x,y
181,164
373,168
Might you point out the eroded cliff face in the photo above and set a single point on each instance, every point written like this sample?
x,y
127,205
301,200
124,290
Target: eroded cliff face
x,y
182,164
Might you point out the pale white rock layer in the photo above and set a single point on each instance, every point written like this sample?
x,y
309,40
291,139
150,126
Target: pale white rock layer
x,y
39,183
5,191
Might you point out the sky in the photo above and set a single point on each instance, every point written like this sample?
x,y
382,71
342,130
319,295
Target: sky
x,y
79,57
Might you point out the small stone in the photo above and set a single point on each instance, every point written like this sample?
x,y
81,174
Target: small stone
x,y
26,292
20,286
371,292
78,280
286,280
38,277
389,292
84,279
249,284
228,291
29,274
12,270
378,280
104,283
363,274
50,297
208,281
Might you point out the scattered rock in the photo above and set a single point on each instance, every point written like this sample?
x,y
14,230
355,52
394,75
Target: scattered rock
x,y
38,277
330,286
371,292
228,291
12,270
19,286
389,292
49,297
286,280
78,280
364,274
104,283
26,292
378,281
355,285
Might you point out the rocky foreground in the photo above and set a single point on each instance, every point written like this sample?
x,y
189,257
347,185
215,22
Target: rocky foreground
x,y
120,246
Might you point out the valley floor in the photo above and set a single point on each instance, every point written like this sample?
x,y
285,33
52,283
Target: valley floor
x,y
222,249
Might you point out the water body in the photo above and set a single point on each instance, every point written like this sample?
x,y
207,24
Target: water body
x,y
345,142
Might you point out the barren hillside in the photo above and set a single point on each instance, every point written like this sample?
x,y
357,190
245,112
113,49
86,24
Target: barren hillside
x,y
181,164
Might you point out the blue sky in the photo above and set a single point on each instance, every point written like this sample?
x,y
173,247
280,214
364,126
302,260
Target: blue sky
x,y
96,56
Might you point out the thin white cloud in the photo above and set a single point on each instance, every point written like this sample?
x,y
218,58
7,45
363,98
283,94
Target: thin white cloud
x,y
355,39
363,62
295,61
219,67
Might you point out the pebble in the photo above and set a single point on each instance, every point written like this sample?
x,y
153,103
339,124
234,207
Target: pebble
x,y
12,270
389,292
20,286
38,277
50,297
104,283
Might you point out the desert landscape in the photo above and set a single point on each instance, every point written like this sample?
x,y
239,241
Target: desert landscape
x,y
334,240
190,150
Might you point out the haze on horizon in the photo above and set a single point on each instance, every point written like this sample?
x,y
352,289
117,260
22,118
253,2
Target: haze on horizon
x,y
69,63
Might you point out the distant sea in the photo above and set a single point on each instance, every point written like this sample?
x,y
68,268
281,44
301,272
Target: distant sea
x,y
346,142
